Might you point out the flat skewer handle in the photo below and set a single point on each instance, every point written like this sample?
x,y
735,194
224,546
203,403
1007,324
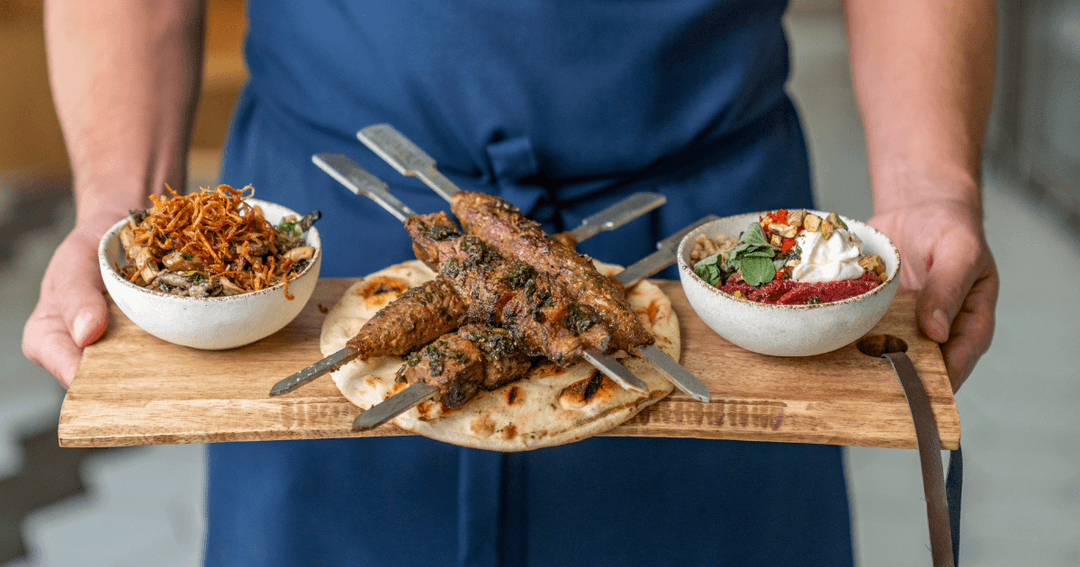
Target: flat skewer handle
x,y
360,181
324,366
406,158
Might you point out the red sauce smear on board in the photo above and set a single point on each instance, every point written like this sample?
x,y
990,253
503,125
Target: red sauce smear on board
x,y
790,292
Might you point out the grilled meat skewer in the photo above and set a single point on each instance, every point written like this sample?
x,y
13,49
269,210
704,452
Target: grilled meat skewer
x,y
419,323
416,317
503,227
461,363
508,292
454,369
418,392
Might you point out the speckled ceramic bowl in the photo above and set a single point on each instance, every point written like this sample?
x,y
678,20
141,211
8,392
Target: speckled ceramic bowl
x,y
216,322
789,330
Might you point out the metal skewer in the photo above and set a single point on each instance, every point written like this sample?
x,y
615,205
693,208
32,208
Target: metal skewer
x,y
408,159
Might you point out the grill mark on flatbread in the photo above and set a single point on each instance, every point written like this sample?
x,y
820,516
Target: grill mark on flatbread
x,y
581,393
508,432
652,311
595,382
512,395
378,286
543,370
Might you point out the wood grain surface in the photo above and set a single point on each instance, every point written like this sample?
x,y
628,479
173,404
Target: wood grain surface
x,y
135,389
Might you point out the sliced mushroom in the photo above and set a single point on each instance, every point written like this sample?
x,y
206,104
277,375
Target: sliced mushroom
x,y
300,253
177,262
257,247
307,220
228,287
205,288
138,215
176,280
143,256
149,272
127,238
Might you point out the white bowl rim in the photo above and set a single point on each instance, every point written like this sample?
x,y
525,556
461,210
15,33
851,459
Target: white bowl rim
x,y
685,266
111,270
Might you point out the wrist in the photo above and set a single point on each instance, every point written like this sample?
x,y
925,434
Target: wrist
x,y
903,186
98,215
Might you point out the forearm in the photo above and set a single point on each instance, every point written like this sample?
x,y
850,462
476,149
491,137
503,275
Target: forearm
x,y
923,75
125,81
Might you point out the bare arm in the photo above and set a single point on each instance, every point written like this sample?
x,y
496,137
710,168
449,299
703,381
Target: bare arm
x,y
923,73
125,80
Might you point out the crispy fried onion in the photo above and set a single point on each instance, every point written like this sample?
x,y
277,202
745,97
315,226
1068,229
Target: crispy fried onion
x,y
210,237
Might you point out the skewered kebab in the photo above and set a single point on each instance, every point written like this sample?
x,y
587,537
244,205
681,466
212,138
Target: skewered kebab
x,y
508,292
407,323
503,226
358,180
463,362
416,317
631,276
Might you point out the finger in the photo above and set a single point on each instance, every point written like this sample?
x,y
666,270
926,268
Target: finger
x,y
86,314
950,278
972,330
47,343
76,288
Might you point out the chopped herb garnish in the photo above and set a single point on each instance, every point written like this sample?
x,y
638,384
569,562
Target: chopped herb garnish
x,y
288,228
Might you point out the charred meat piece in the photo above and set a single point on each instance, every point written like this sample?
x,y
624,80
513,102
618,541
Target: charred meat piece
x,y
416,317
503,227
543,319
503,360
462,362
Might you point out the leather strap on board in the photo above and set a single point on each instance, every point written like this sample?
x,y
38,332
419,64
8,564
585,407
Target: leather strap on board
x,y
942,499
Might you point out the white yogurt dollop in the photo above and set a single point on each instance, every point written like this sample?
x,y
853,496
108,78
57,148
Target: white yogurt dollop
x,y
835,258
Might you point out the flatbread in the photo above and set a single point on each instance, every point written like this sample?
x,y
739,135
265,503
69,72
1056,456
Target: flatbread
x,y
551,406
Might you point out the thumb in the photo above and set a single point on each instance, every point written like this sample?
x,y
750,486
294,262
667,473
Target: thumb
x,y
80,301
952,271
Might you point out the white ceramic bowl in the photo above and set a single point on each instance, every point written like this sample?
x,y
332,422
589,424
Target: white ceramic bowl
x,y
211,323
789,330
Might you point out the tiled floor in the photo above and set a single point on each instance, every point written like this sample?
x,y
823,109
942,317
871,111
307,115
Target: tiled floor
x,y
1020,428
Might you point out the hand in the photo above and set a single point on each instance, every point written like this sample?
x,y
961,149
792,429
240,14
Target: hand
x,y
945,257
71,311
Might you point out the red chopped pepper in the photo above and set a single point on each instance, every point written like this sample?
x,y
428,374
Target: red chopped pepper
x,y
786,244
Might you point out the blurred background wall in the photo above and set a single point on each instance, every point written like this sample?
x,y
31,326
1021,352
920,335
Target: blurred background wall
x,y
30,138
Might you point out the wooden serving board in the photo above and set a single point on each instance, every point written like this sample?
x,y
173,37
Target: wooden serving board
x,y
135,389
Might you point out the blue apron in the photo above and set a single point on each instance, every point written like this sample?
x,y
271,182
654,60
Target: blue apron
x,y
561,108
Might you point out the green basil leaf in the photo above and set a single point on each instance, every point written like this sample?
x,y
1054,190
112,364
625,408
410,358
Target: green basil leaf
x,y
757,271
709,269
